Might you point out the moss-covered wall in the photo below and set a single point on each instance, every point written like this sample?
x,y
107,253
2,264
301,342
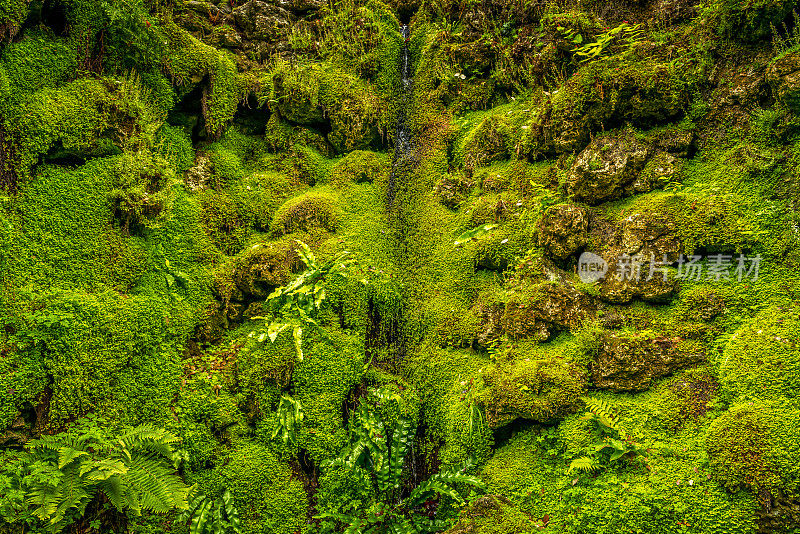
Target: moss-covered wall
x,y
160,161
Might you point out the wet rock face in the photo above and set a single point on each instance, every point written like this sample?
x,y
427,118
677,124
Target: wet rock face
x,y
264,21
643,245
784,78
631,363
563,230
605,169
538,311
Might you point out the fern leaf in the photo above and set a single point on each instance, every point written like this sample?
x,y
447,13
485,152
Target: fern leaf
x,y
586,464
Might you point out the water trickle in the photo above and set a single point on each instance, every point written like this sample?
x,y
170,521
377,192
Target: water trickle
x,y
402,147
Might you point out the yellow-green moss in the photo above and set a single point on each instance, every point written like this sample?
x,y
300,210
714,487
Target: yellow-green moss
x,y
756,445
762,359
306,212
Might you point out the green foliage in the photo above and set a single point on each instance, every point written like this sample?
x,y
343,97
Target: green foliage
x,y
624,33
295,304
212,516
615,443
378,451
786,40
134,470
474,234
290,417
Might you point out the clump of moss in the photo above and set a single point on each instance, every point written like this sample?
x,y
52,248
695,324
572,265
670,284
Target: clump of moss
x,y
307,212
532,387
318,93
687,398
762,359
190,62
223,222
269,497
755,445
360,166
748,21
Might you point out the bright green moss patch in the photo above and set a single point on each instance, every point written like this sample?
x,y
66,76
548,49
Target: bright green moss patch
x,y
269,497
755,445
305,213
762,359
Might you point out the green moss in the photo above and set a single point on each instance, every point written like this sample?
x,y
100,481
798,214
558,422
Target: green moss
x,y
360,166
83,352
317,93
38,61
761,360
748,21
12,14
223,222
534,385
269,497
307,212
755,445
190,62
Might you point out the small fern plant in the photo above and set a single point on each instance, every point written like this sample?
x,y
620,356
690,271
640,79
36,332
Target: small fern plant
x,y
377,452
295,305
212,516
614,444
290,417
135,471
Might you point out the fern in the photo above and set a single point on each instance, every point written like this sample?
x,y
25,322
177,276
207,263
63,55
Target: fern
x,y
61,474
586,464
212,516
290,417
614,442
295,305
378,451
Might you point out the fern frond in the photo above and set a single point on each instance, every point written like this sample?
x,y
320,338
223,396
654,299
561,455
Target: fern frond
x,y
586,464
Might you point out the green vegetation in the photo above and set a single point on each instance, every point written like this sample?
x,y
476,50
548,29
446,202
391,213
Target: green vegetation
x,y
253,281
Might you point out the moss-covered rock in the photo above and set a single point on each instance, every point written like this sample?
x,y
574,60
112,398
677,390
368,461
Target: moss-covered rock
x,y
630,362
536,389
305,213
606,168
563,230
784,78
755,445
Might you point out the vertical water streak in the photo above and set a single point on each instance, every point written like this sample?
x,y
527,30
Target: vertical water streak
x,y
402,147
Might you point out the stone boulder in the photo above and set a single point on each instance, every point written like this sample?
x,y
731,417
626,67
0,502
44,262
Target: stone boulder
x,y
532,389
644,245
630,362
263,21
784,79
606,168
563,230
545,310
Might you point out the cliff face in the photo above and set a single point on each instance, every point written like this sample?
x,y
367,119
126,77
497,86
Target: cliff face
x,y
577,272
